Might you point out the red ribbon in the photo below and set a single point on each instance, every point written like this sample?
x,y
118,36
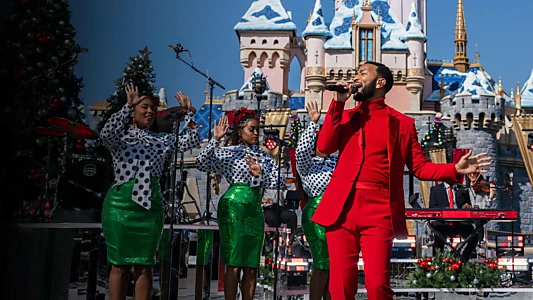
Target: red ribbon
x,y
243,112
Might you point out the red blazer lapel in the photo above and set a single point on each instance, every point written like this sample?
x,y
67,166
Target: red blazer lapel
x,y
394,129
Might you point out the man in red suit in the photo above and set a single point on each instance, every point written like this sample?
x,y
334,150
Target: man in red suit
x,y
363,207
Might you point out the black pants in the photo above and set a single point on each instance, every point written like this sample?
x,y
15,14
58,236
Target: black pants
x,y
458,229
285,216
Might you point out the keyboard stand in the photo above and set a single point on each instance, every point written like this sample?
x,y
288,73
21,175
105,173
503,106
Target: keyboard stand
x,y
462,244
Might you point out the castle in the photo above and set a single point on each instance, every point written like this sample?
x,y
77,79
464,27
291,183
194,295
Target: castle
x,y
484,118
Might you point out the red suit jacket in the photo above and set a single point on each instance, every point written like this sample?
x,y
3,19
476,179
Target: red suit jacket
x,y
341,131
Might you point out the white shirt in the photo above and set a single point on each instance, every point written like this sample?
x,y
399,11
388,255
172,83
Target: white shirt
x,y
140,153
453,191
230,163
315,171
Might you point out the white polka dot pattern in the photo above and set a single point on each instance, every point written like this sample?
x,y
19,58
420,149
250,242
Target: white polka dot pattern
x,y
314,171
140,153
229,162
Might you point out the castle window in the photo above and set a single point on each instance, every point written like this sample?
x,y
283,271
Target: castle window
x,y
339,77
331,74
276,42
366,45
264,42
399,76
252,42
349,75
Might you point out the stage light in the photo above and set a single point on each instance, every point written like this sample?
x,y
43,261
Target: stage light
x,y
270,143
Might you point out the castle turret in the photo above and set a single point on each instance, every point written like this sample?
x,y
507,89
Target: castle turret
x,y
415,39
461,59
315,35
266,33
478,114
518,105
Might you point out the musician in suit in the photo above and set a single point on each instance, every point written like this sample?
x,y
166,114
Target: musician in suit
x,y
452,196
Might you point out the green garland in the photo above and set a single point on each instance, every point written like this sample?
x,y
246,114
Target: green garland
x,y
296,130
437,132
447,271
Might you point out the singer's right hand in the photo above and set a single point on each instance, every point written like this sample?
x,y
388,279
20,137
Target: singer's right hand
x,y
221,128
343,97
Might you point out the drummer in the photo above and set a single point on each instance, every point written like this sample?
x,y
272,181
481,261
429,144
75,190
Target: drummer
x,y
132,215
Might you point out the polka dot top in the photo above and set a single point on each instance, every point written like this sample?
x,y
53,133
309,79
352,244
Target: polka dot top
x,y
140,153
230,163
314,171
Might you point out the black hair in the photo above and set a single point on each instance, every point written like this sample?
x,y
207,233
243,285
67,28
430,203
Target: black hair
x,y
384,72
237,128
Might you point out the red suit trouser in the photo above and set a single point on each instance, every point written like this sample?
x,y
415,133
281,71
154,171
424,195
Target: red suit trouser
x,y
364,225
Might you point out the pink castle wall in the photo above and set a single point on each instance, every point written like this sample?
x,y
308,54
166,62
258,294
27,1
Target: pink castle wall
x,y
398,98
267,46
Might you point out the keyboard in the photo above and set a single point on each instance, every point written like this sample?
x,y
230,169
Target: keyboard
x,y
498,215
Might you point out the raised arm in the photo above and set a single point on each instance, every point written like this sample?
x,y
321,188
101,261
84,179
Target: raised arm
x,y
306,143
114,127
328,141
189,137
211,156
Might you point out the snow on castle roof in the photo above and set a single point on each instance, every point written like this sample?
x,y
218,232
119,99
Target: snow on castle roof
x,y
477,83
391,30
527,92
266,15
317,26
413,30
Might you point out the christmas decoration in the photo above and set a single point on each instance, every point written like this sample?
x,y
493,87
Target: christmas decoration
x,y
435,133
38,79
446,271
296,130
138,72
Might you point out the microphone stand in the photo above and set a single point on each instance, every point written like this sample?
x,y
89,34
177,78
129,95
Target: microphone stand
x,y
206,217
281,145
174,276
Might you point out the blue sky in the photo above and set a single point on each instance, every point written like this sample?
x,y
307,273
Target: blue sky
x,y
115,30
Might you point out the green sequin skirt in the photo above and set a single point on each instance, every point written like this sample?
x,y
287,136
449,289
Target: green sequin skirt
x,y
242,226
315,235
132,233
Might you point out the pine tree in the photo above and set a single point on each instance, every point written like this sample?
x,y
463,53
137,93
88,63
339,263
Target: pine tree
x,y
140,72
39,54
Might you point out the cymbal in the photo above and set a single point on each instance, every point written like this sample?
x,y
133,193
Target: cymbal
x,y
70,127
166,125
47,131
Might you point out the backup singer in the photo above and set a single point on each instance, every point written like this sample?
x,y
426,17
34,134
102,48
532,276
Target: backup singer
x,y
132,215
363,206
315,172
240,218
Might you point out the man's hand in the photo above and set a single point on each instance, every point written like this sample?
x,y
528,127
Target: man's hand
x,y
467,164
466,206
313,111
343,97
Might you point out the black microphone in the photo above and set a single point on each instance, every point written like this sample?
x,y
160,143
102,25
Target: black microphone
x,y
178,48
340,88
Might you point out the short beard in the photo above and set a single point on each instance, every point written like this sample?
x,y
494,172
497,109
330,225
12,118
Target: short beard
x,y
367,92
